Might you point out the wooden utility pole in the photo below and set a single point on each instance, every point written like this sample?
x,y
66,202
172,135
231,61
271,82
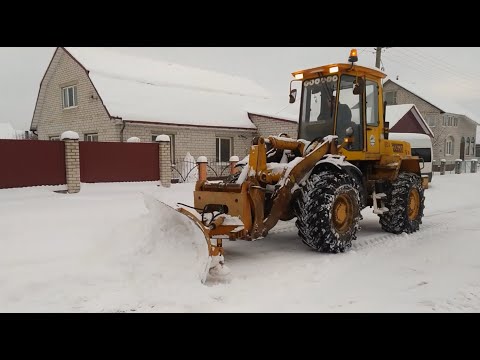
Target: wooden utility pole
x,y
378,58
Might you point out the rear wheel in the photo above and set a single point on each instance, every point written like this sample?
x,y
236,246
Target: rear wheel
x,y
328,211
405,201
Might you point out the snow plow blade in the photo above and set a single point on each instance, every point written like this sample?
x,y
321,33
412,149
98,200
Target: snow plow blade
x,y
184,225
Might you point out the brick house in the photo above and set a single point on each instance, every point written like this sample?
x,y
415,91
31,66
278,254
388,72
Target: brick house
x,y
105,96
454,132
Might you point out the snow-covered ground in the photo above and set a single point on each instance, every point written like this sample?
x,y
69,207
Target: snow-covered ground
x,y
108,250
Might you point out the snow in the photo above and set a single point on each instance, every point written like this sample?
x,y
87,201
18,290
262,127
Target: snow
x,y
143,89
234,158
394,113
163,137
202,159
7,131
133,139
106,249
71,135
277,107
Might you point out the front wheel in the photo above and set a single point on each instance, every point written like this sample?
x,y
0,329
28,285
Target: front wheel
x,y
328,211
405,202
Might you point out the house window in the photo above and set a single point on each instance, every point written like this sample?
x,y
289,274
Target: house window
x,y
391,97
54,138
91,137
455,122
473,146
431,121
223,150
467,147
449,146
69,97
172,146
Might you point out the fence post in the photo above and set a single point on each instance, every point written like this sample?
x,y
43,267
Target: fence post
x,y
202,168
442,166
72,161
458,166
233,162
164,160
473,166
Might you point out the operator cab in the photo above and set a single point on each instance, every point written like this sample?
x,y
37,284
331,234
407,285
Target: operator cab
x,y
335,98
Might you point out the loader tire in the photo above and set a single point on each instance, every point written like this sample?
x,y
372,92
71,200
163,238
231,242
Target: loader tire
x,y
405,201
328,211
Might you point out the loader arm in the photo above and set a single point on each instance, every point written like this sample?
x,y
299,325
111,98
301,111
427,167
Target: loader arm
x,y
281,204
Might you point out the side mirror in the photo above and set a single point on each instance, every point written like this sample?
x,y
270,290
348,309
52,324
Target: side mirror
x,y
293,96
349,131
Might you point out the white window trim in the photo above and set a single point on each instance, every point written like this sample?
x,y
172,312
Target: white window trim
x,y
449,149
75,97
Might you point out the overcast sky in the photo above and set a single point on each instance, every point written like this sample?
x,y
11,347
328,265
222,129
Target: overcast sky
x,y
445,74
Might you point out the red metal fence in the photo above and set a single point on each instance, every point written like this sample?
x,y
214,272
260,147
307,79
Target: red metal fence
x,y
31,163
117,162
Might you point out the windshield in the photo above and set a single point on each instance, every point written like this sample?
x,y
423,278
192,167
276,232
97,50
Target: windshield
x,y
317,113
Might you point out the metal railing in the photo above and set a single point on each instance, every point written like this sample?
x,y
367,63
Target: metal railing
x,y
184,171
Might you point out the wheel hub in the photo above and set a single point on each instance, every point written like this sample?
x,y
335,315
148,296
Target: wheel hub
x,y
342,213
413,204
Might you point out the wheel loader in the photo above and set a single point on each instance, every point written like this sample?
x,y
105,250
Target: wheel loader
x,y
341,162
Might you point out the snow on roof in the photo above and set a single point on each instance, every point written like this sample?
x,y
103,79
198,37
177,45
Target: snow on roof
x,y
394,113
143,89
7,131
278,108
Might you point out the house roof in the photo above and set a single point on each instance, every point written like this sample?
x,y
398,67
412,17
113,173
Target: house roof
x,y
7,131
142,89
278,108
448,106
394,113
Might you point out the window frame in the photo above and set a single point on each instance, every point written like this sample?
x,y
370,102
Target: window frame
x,y
218,148
375,102
86,136
75,97
449,149
394,97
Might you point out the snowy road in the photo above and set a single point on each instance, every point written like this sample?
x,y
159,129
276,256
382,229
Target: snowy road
x,y
101,251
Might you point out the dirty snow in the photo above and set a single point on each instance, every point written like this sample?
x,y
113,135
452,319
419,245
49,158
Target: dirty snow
x,y
104,250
